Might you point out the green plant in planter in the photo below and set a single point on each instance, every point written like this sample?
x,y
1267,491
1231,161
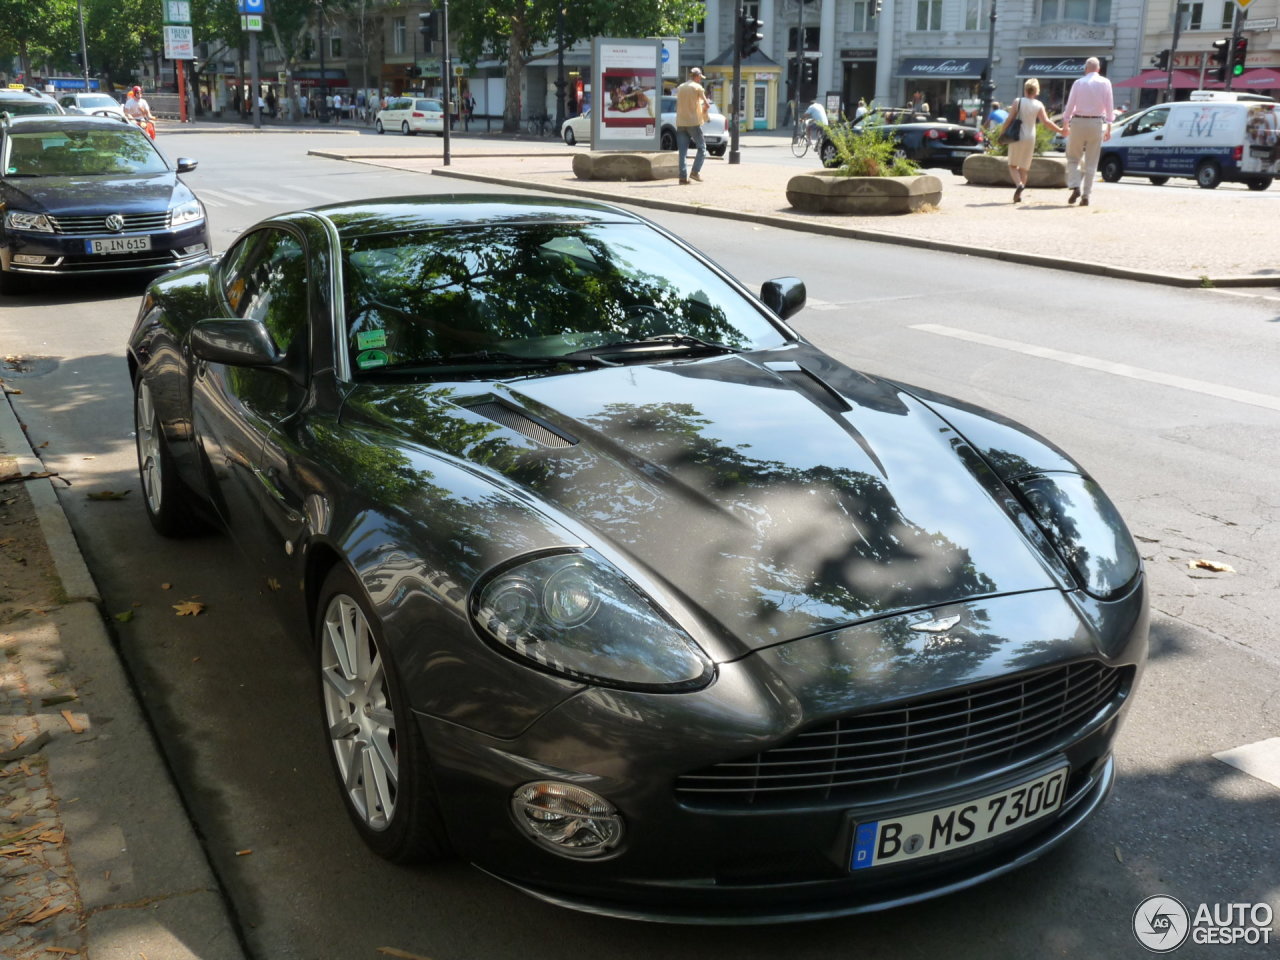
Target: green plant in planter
x,y
869,152
991,138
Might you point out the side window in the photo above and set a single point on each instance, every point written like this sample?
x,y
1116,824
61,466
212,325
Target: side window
x,y
1155,120
266,280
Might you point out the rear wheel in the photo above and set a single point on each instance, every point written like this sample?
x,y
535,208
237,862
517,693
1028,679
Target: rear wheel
x,y
1209,174
827,151
717,151
1111,168
404,128
378,753
1261,183
169,503
569,138
1159,181
377,125
668,141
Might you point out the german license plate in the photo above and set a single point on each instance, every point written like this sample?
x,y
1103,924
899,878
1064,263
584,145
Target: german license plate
x,y
882,842
118,245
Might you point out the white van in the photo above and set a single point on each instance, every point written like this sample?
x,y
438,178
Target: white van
x,y
1206,140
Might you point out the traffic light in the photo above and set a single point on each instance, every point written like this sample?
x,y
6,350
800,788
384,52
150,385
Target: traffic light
x,y
1220,50
1161,60
810,70
749,35
1241,51
427,25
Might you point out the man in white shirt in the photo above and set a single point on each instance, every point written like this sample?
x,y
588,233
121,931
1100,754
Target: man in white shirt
x,y
1087,122
815,120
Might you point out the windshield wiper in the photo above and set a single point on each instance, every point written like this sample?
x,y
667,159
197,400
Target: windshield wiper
x,y
663,342
496,358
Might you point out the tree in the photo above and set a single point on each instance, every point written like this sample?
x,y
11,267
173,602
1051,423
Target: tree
x,y
35,30
512,29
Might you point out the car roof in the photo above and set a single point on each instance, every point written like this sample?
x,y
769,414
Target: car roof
x,y
396,214
39,123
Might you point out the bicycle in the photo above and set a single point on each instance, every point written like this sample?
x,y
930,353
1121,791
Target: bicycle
x,y
540,125
800,139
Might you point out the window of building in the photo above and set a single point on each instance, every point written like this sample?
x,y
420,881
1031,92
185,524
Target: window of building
x,y
1228,15
398,35
1192,15
928,14
975,15
334,36
699,26
1075,11
812,35
864,16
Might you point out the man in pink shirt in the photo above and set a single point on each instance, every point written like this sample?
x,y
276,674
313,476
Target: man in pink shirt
x,y
1087,120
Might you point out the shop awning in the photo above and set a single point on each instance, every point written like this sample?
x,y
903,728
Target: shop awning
x,y
334,77
941,68
1159,80
1262,78
1051,68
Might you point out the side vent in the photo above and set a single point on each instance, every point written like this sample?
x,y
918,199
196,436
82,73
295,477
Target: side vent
x,y
522,423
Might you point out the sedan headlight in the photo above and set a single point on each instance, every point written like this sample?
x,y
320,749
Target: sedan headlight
x,y
574,614
1085,528
186,212
21,220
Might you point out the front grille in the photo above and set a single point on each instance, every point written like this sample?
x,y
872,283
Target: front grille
x,y
919,745
96,224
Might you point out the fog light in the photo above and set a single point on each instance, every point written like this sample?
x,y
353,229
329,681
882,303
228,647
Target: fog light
x,y
193,249
568,820
28,258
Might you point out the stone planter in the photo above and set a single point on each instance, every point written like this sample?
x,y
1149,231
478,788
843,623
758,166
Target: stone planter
x,y
986,170
599,165
869,196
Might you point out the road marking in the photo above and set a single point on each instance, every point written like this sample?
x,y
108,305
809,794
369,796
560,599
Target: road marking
x,y
1261,759
310,191
1107,366
222,199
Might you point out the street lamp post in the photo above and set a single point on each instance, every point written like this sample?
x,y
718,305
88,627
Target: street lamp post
x,y
322,107
84,52
560,80
989,88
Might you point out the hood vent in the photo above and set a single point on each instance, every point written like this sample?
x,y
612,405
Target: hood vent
x,y
513,419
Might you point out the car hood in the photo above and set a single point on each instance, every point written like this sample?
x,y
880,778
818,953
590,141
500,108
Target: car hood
x,y
69,196
780,494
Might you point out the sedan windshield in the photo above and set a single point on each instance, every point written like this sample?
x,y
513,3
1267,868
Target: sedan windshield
x,y
110,151
536,292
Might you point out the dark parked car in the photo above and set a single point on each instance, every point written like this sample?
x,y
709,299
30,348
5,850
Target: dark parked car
x,y
621,590
927,142
88,195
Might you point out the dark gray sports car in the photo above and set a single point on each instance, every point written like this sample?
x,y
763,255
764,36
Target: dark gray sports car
x,y
621,590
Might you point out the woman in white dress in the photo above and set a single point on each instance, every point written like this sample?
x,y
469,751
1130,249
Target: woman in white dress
x,y
1030,110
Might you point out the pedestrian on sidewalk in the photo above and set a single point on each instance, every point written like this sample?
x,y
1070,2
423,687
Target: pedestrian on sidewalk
x,y
1029,110
1087,122
692,111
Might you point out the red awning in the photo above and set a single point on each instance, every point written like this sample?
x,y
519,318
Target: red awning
x,y
1159,80
1258,79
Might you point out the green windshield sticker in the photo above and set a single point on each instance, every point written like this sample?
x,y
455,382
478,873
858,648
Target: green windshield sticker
x,y
369,339
372,358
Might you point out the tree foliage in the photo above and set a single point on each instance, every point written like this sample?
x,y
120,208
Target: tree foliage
x,y
511,30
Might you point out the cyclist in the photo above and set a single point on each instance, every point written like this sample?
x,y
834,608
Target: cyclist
x,y
815,117
139,111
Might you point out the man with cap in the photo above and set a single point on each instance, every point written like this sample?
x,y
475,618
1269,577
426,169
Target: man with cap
x,y
692,108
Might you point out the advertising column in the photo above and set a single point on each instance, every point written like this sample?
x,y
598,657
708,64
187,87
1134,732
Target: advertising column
x,y
626,94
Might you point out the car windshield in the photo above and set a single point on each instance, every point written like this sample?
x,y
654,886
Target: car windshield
x,y
95,102
417,301
27,106
109,151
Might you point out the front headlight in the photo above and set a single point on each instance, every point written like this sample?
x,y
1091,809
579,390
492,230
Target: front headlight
x,y
574,614
1084,526
186,212
21,220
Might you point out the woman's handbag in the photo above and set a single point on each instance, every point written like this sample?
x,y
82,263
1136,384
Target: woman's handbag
x,y
1012,131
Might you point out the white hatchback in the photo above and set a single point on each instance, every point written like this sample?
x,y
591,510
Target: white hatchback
x,y
411,116
99,104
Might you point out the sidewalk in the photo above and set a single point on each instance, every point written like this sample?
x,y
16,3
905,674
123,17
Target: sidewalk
x,y
97,854
1175,234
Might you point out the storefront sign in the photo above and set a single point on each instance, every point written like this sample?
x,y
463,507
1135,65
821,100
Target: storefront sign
x,y
869,54
933,68
179,43
1049,68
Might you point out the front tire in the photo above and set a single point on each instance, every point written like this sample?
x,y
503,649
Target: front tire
x,y
377,125
377,750
1159,181
1209,174
717,151
569,138
828,154
1260,183
1111,169
169,503
668,141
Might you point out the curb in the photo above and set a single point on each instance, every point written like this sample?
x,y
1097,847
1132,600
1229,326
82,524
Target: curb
x,y
875,236
146,887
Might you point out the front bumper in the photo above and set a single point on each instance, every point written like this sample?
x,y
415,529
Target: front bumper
x,y
686,859
63,254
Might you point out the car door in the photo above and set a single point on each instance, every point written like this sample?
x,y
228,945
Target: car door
x,y
1142,139
234,408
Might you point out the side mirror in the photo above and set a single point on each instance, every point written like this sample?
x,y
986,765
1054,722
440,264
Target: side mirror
x,y
186,164
237,343
785,296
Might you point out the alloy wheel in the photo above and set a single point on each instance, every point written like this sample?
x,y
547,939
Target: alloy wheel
x,y
358,712
147,430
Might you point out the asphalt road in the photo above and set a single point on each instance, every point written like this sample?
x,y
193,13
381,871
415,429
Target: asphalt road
x,y
1169,397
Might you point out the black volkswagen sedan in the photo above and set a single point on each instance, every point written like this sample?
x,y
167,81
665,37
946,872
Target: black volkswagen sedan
x,y
924,141
85,195
618,588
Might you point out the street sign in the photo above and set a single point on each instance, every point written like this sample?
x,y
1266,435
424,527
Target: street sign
x,y
1268,24
177,11
179,43
251,24
257,7
1243,4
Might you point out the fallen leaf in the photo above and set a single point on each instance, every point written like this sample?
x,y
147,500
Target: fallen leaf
x,y
88,458
1119,858
124,617
33,475
6,541
166,586
273,583
243,853
65,951
75,725
107,495
60,698
1210,565
189,608
43,914
43,445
